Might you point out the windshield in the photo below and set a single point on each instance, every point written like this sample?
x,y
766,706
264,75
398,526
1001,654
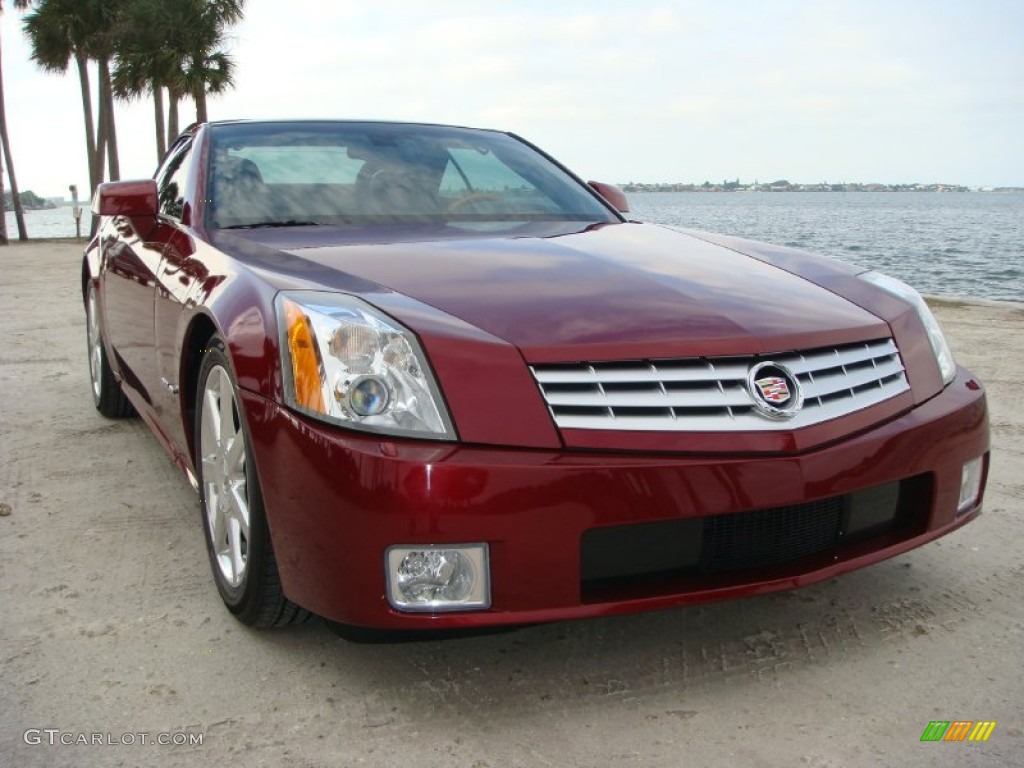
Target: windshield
x,y
290,174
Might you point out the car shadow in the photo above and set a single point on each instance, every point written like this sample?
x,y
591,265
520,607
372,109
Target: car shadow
x,y
631,657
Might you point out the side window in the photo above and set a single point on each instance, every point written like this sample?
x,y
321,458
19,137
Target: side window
x,y
171,178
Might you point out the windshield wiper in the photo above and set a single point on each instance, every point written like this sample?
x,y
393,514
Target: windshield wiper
x,y
282,223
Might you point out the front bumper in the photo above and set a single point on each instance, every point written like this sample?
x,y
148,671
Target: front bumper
x,y
336,500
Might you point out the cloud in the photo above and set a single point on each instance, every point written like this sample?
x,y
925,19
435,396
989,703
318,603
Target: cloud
x,y
657,91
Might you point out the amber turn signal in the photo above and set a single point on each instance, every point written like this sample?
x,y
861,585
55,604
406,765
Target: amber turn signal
x,y
306,368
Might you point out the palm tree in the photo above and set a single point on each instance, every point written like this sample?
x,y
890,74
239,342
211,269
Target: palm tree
x,y
62,30
209,73
210,70
19,213
173,46
144,62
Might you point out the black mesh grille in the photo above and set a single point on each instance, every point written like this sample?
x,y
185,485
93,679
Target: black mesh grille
x,y
749,539
638,554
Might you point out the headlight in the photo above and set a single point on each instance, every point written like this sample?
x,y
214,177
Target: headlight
x,y
894,287
347,363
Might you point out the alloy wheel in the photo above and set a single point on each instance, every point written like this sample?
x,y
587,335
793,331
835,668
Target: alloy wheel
x,y
225,492
95,341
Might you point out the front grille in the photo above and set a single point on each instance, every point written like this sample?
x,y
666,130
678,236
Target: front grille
x,y
619,556
709,394
750,539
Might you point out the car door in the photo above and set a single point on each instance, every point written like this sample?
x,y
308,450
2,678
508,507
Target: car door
x,y
177,278
129,278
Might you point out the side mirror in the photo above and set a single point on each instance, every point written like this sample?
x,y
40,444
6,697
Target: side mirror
x,y
615,196
125,198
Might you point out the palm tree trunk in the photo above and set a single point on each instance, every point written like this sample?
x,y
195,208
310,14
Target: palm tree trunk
x,y
161,136
19,213
172,116
95,158
201,104
3,211
101,133
107,116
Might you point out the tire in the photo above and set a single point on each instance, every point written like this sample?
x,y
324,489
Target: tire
x,y
107,394
231,504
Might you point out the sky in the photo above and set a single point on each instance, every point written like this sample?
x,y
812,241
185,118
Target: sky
x,y
900,91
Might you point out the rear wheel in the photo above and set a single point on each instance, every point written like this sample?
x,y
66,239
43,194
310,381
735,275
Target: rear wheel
x,y
237,536
107,394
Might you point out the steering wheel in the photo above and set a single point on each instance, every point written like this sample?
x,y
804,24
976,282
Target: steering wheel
x,y
476,197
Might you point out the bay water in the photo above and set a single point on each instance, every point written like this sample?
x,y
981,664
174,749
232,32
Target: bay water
x,y
968,244
51,222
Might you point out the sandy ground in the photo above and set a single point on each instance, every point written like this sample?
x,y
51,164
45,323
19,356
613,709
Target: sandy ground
x,y
111,623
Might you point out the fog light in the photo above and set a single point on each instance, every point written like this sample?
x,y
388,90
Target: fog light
x,y
970,484
452,577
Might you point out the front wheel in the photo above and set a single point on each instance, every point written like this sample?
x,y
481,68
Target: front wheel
x,y
237,535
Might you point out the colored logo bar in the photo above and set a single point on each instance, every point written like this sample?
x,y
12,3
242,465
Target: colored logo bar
x,y
958,730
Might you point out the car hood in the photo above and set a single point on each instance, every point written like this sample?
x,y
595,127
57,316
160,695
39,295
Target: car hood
x,y
608,292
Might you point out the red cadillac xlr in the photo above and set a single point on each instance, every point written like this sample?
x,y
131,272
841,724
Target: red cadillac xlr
x,y
424,377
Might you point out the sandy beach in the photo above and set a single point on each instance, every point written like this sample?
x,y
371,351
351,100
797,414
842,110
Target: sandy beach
x,y
112,625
